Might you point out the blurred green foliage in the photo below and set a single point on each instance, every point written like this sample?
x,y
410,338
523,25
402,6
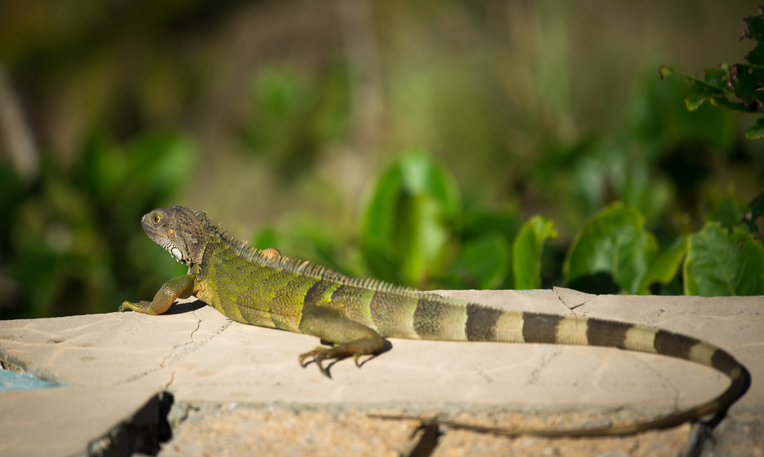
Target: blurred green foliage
x,y
292,116
613,241
71,241
723,262
451,144
528,249
409,220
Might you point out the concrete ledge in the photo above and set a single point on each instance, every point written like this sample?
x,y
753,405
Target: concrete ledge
x,y
114,363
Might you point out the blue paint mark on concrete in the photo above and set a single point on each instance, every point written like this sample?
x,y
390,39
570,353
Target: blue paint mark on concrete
x,y
10,380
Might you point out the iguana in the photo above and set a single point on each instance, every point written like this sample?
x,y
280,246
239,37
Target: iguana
x,y
260,287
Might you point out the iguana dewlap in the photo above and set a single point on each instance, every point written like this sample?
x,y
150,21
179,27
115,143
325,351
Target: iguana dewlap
x,y
355,315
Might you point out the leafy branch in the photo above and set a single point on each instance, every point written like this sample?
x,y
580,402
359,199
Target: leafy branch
x,y
739,87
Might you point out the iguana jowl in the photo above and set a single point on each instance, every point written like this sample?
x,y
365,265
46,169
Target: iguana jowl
x,y
356,315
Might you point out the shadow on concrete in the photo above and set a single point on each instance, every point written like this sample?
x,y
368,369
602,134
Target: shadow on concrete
x,y
186,307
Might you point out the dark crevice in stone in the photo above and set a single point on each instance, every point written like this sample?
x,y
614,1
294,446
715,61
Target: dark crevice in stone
x,y
142,433
698,437
427,436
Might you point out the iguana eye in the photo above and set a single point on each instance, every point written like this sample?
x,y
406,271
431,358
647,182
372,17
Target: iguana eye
x,y
156,218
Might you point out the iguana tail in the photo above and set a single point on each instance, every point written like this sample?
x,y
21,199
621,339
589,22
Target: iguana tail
x,y
438,318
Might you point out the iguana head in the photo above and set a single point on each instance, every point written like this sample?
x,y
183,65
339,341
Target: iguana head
x,y
179,230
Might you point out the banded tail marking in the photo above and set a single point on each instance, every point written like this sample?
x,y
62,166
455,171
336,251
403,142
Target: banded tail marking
x,y
483,324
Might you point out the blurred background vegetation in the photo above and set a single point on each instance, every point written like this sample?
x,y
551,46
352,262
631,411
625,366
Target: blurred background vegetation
x,y
354,133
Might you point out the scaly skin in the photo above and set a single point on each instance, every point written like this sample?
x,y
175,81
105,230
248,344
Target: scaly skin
x,y
356,315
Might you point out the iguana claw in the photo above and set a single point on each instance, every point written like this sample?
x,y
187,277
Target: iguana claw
x,y
318,355
127,305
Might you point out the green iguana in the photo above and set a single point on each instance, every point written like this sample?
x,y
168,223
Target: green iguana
x,y
356,315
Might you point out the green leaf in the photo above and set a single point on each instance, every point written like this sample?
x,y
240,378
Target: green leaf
x,y
755,131
722,263
663,269
484,261
712,88
693,102
420,236
728,212
409,220
480,222
716,78
527,249
713,84
755,30
747,81
613,241
665,71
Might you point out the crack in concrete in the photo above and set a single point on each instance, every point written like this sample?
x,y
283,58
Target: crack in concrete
x,y
659,375
535,375
190,342
173,352
169,383
562,300
187,343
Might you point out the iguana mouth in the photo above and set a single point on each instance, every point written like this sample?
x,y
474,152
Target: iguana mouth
x,y
174,251
162,240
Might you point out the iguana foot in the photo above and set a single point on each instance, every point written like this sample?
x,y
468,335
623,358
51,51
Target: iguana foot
x,y
180,287
127,305
140,307
317,355
353,349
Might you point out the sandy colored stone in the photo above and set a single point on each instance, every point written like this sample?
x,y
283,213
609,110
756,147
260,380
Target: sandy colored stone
x,y
113,363
63,421
669,443
202,356
237,432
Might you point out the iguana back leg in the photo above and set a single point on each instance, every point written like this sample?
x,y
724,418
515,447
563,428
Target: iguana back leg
x,y
350,339
180,287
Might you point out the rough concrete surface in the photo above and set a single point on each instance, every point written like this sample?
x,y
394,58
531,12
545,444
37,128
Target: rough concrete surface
x,y
114,364
242,431
650,444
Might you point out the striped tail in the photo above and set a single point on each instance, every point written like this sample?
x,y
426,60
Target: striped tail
x,y
472,322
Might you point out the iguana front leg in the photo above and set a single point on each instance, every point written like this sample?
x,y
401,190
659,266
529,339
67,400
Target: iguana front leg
x,y
180,287
350,339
